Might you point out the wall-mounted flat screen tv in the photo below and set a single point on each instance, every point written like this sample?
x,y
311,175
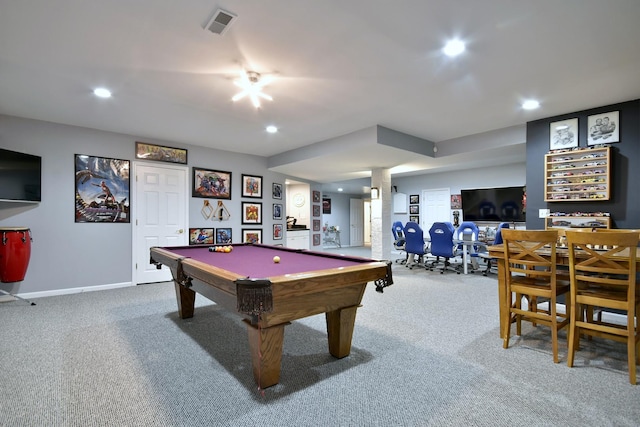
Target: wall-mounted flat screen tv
x,y
507,204
20,176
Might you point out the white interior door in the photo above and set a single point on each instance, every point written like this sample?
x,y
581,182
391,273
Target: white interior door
x,y
356,221
436,207
161,212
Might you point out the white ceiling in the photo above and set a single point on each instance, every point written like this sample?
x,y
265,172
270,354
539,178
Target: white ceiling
x,y
338,67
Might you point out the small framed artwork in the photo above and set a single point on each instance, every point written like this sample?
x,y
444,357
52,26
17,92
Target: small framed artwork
x,y
277,211
201,236
251,235
276,191
316,240
414,218
563,134
414,199
326,205
252,186
603,128
251,213
211,184
278,231
223,236
316,210
160,153
414,209
456,201
316,225
316,196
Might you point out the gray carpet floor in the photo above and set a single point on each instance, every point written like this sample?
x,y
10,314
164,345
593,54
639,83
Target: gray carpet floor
x,y
425,352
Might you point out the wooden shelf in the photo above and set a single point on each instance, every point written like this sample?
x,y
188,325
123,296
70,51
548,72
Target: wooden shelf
x,y
568,222
578,175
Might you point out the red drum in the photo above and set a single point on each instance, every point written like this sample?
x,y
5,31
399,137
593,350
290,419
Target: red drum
x,y
15,252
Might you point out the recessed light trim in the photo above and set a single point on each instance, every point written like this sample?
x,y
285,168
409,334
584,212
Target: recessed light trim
x,y
454,48
101,92
530,104
272,129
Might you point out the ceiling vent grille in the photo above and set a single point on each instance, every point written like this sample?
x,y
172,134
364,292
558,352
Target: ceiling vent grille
x,y
220,21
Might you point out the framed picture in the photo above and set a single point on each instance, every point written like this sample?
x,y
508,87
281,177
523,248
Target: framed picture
x,y
414,199
277,211
251,213
160,153
102,189
252,186
223,236
316,225
563,134
326,205
414,218
414,209
251,235
603,128
316,210
278,231
316,240
201,236
456,201
276,191
211,184
316,196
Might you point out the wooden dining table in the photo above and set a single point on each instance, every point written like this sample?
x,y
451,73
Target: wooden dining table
x,y
497,252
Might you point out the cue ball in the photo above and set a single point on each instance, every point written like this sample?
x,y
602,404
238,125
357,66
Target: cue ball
x,y
276,259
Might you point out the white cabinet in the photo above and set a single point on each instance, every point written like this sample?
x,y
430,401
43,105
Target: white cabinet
x,y
298,239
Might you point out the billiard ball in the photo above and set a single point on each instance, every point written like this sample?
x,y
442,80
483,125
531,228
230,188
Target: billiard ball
x,y
276,259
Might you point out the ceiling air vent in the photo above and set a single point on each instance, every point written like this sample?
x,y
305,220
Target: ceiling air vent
x,y
220,22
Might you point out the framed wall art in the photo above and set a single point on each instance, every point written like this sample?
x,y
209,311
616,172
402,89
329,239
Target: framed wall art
x,y
278,231
160,153
414,199
252,186
251,235
414,218
276,191
223,236
563,134
277,211
316,196
201,236
414,209
316,210
456,201
603,128
102,189
316,225
316,240
251,213
326,205
211,184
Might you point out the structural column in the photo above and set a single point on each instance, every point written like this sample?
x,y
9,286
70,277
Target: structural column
x,y
381,237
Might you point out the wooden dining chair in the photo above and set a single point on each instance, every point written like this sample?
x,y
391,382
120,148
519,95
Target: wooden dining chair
x,y
603,275
531,274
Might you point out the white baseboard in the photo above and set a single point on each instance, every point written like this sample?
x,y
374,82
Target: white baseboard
x,y
57,292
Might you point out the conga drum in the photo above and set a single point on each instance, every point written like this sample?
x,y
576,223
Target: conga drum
x,y
15,252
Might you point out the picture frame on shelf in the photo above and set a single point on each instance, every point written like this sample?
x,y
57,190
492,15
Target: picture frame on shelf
x,y
278,231
201,236
211,184
316,196
563,134
276,191
251,235
251,213
160,153
277,211
224,236
252,186
603,128
414,199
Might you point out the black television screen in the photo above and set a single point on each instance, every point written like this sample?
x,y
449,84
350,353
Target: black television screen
x,y
507,204
20,176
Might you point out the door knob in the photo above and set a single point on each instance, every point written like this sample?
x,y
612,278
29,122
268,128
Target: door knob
x,y
181,231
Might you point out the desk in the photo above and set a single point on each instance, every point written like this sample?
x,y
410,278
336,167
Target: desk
x,y
270,295
497,252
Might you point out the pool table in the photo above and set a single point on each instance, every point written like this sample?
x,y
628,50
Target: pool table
x,y
270,295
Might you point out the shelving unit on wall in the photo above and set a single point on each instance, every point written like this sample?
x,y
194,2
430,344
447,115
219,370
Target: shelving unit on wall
x,y
578,175
566,222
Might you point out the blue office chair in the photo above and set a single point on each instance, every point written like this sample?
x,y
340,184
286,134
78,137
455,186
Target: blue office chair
x,y
468,232
414,245
442,246
496,241
399,241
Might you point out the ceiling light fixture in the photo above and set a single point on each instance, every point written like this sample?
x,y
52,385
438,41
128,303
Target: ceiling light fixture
x,y
102,92
531,104
453,48
251,85
272,129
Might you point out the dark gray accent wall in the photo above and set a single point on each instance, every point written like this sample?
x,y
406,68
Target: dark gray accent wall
x,y
624,203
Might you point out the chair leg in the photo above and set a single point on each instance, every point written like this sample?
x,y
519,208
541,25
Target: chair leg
x,y
554,330
631,347
574,333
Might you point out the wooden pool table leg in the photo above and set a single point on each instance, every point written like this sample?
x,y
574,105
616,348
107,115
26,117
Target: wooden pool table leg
x,y
186,301
266,353
340,330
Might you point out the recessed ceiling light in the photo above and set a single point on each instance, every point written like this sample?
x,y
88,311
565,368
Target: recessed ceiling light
x,y
530,104
272,129
340,189
102,92
453,48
